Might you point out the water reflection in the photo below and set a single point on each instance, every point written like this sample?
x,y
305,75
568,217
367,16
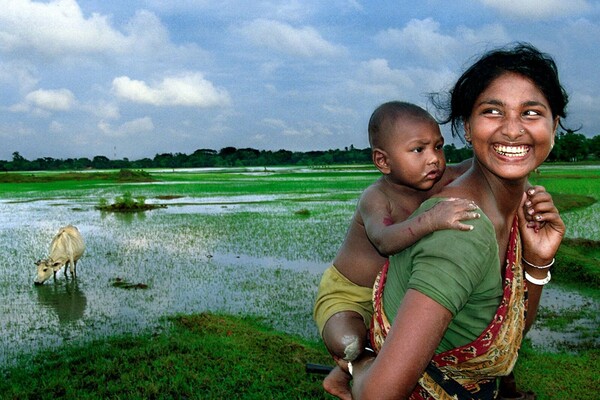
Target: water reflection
x,y
127,217
64,298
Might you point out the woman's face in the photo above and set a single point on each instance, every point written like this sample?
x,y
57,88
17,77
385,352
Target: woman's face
x,y
511,127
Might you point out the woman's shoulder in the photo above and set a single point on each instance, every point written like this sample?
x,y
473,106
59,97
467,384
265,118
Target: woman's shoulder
x,y
483,233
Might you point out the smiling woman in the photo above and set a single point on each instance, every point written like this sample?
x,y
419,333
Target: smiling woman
x,y
450,310
513,108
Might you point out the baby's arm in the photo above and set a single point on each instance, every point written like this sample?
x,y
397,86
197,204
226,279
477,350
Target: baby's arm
x,y
391,237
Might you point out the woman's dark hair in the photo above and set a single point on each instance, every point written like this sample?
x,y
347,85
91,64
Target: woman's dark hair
x,y
521,58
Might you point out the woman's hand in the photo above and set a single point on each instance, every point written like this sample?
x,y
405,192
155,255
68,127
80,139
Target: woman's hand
x,y
541,226
542,230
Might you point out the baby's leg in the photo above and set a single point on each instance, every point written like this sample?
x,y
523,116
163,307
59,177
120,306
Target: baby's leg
x,y
345,335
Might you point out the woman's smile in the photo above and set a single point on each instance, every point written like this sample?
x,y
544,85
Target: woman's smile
x,y
512,151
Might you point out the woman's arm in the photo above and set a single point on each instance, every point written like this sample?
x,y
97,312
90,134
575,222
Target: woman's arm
x,y
415,334
541,237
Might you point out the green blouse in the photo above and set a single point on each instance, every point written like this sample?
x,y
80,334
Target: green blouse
x,y
458,269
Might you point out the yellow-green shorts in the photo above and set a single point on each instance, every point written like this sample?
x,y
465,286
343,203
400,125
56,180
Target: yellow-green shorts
x,y
337,293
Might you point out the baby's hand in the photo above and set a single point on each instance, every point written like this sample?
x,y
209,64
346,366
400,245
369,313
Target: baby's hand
x,y
447,214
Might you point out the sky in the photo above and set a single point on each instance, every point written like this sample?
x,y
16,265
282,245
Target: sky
x,y
132,79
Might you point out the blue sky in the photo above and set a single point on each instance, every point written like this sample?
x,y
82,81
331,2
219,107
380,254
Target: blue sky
x,y
131,79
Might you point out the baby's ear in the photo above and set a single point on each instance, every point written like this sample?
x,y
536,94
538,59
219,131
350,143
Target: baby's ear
x,y
380,159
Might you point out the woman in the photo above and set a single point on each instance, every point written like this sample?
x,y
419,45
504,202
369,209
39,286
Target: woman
x,y
456,299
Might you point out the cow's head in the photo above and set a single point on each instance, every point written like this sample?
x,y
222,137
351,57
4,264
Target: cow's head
x,y
45,269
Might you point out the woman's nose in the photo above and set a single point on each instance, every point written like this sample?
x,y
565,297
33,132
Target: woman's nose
x,y
513,128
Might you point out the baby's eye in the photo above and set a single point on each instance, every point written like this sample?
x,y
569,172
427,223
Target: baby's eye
x,y
417,149
439,146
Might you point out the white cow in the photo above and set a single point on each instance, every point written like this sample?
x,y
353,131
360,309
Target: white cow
x,y
66,248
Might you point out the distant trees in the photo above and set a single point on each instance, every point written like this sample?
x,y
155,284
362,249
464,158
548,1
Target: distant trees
x,y
569,146
454,155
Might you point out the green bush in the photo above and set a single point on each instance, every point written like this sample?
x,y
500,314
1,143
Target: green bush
x,y
127,203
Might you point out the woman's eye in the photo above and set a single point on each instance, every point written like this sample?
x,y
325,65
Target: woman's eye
x,y
531,113
439,147
492,111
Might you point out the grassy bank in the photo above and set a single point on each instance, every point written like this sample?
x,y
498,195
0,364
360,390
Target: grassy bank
x,y
202,357
209,356
559,376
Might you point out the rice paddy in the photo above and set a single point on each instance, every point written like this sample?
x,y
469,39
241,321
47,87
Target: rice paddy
x,y
244,242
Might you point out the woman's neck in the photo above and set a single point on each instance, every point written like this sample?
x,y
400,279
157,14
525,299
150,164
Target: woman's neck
x,y
500,194
498,198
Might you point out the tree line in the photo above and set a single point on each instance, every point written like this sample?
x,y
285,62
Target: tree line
x,y
569,146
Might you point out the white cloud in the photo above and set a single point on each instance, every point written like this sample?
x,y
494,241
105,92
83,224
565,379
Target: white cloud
x,y
148,35
103,110
189,90
309,129
274,123
339,110
539,9
22,75
55,127
16,131
424,39
378,78
59,28
133,127
421,35
301,42
54,28
51,100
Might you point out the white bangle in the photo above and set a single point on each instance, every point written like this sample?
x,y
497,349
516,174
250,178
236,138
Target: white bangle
x,y
536,281
538,266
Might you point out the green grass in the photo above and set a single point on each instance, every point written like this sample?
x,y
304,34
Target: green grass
x,y
559,375
203,356
578,265
568,202
210,356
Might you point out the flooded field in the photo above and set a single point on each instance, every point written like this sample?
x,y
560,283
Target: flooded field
x,y
231,250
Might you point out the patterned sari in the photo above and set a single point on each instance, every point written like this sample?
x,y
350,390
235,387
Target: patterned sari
x,y
470,371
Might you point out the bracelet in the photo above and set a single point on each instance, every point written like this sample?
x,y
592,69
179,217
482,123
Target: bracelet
x,y
536,281
538,266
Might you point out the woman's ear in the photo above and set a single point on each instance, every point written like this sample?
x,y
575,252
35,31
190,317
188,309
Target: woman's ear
x,y
467,127
554,128
380,159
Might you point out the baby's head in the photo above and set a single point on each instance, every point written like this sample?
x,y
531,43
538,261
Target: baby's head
x,y
407,146
382,124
